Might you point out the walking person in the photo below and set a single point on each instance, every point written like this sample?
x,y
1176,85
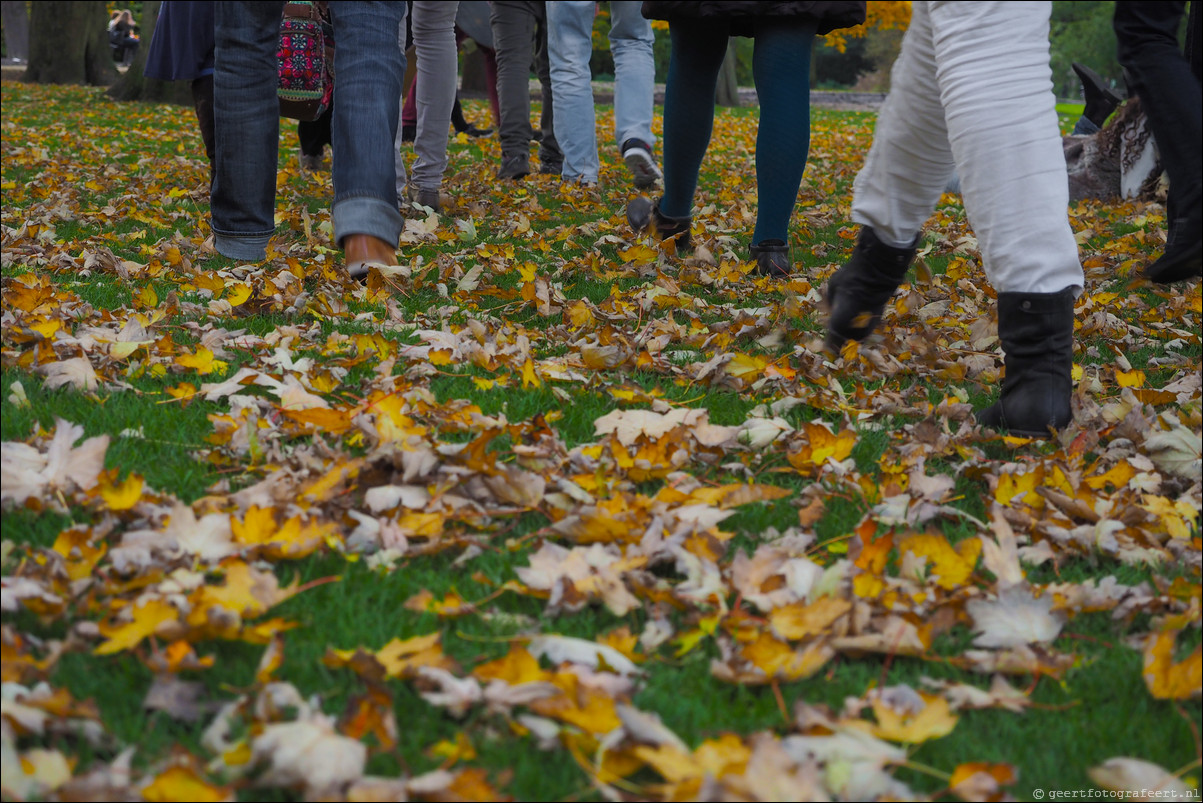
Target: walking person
x,y
569,48
783,34
1169,87
181,49
972,91
519,26
369,66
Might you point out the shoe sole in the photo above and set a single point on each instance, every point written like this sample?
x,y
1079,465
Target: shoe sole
x,y
640,163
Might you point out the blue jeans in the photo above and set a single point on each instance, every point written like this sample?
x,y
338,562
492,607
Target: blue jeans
x,y
570,45
369,66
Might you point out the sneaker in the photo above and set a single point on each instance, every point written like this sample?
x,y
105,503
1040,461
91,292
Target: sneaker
x,y
475,132
516,166
551,168
638,158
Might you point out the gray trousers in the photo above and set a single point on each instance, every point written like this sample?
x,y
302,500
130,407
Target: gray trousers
x,y
433,26
519,25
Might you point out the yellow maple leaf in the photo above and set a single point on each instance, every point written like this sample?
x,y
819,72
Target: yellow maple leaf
x,y
1168,680
778,660
203,362
951,567
119,495
799,620
183,783
453,751
147,618
516,667
932,721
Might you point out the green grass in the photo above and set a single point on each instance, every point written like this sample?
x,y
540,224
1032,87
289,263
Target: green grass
x,y
362,346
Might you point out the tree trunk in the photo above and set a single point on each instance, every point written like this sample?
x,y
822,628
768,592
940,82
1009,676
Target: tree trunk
x,y
16,29
727,91
69,43
134,85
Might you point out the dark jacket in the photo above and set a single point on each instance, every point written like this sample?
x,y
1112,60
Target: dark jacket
x,y
826,15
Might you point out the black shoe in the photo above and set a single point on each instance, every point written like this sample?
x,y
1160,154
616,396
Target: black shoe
x,y
536,135
516,166
1183,257
473,131
772,258
1101,101
551,168
409,133
643,215
858,292
1037,334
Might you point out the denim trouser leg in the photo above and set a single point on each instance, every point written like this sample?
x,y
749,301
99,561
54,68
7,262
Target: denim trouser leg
x,y
369,65
513,25
246,127
569,47
433,26
1147,37
634,72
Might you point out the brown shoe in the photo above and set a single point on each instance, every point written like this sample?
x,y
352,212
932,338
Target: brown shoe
x,y
363,250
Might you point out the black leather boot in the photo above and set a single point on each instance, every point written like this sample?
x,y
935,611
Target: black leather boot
x,y
1037,334
772,258
642,213
858,292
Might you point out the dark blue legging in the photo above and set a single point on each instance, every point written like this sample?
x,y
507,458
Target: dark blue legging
x,y
781,69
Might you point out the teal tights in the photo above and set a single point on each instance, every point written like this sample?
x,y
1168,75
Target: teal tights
x,y
781,69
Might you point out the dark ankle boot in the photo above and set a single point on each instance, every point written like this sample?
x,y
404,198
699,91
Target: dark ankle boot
x,y
772,258
858,292
1037,334
642,214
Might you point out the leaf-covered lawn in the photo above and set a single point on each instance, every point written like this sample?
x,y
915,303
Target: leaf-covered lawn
x,y
545,513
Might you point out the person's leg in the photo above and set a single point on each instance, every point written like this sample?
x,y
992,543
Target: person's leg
x,y
569,47
634,84
409,81
551,158
781,69
513,28
1006,141
369,65
202,102
490,57
910,161
698,49
1008,150
1172,98
434,38
247,127
631,42
904,175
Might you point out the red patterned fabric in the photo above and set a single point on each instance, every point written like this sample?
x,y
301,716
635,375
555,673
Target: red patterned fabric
x,y
305,61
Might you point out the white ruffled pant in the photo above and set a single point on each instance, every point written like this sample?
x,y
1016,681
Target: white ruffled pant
x,y
972,91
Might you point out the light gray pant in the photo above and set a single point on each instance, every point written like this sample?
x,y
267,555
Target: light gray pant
x,y
433,27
